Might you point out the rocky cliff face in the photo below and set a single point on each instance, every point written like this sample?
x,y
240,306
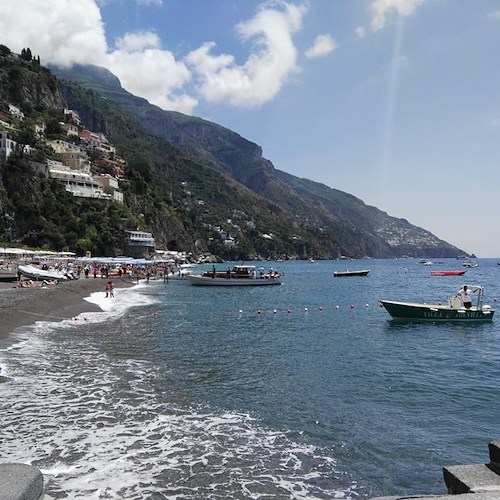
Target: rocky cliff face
x,y
25,83
344,224
92,118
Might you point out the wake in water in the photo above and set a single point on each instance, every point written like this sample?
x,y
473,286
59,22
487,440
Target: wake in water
x,y
85,404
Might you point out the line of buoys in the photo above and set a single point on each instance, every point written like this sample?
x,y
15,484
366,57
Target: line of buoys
x,y
289,310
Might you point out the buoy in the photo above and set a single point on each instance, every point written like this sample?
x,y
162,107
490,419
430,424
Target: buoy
x,y
367,305
337,307
288,311
352,306
274,311
240,311
258,311
320,308
305,309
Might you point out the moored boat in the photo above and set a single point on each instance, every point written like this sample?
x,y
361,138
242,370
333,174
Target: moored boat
x,y
447,273
37,273
470,263
347,272
453,310
241,275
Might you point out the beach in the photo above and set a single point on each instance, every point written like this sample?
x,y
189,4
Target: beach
x,y
25,306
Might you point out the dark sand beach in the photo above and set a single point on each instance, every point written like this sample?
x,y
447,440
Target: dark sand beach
x,y
24,306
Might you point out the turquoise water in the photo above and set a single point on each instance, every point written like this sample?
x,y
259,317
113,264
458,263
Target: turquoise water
x,y
305,390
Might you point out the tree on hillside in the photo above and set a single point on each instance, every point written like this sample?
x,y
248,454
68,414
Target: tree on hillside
x,y
26,54
24,137
53,127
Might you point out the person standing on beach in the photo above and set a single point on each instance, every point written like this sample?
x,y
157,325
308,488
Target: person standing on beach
x,y
109,289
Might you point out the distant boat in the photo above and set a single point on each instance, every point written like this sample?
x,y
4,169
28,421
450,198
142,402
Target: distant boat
x,y
453,310
447,273
469,263
347,272
425,262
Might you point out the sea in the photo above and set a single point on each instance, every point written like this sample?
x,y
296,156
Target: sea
x,y
306,390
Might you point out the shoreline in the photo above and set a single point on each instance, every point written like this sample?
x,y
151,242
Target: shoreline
x,y
25,306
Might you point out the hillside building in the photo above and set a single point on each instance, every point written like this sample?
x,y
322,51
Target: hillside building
x,y
111,183
78,182
8,146
139,244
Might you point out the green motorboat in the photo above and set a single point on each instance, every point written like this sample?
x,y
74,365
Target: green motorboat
x,y
453,310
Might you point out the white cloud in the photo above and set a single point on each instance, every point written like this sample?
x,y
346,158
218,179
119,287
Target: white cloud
x,y
323,45
74,32
273,60
495,14
360,32
148,71
62,32
383,8
137,41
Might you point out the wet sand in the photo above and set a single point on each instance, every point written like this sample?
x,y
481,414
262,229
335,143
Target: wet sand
x,y
25,306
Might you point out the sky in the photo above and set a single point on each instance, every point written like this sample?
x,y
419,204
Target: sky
x,y
396,102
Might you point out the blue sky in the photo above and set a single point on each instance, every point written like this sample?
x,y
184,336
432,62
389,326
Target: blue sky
x,y
394,101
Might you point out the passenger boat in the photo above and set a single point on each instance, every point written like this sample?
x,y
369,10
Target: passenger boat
x,y
447,273
347,272
452,311
241,275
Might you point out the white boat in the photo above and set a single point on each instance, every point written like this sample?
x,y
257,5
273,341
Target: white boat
x,y
470,263
37,273
236,276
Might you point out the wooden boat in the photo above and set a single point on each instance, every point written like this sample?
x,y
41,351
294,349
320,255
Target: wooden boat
x,y
453,310
447,273
347,272
235,276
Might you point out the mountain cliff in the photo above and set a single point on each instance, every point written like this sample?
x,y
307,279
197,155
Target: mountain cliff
x,y
354,228
195,185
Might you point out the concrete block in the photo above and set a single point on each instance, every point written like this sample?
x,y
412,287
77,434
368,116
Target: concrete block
x,y
471,479
494,448
20,482
465,496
